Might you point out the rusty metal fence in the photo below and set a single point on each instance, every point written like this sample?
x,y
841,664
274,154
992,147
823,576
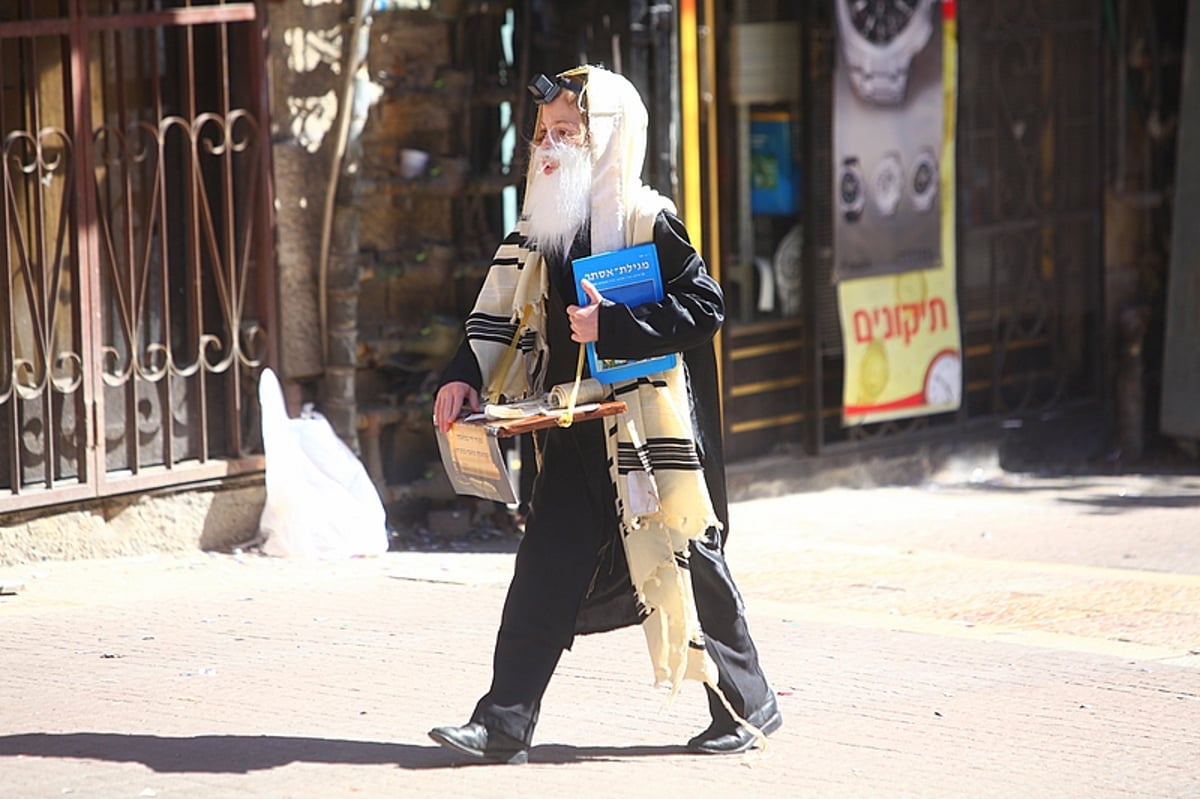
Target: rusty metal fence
x,y
135,243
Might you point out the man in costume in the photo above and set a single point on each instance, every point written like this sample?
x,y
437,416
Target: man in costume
x,y
629,514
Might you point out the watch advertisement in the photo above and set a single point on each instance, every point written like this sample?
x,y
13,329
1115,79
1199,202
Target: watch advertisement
x,y
895,89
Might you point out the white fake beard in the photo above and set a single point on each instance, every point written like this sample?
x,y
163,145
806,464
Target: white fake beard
x,y
558,204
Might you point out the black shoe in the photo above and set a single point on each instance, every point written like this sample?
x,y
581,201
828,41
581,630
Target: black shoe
x,y
476,740
723,739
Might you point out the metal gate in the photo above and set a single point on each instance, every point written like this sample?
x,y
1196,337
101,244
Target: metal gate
x,y
135,216
1031,193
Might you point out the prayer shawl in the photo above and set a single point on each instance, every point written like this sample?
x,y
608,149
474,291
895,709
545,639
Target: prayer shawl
x,y
662,499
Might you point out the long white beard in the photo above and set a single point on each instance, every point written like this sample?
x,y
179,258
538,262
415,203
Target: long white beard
x,y
557,205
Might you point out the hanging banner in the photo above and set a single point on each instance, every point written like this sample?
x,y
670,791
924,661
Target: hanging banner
x,y
895,90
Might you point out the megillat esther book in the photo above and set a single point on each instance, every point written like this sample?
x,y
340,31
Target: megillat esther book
x,y
631,277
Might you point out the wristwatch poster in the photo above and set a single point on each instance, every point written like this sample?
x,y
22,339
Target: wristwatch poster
x,y
887,137
894,97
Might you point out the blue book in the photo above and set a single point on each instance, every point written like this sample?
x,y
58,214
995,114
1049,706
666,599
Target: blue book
x,y
631,277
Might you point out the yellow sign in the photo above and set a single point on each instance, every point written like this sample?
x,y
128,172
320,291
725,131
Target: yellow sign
x,y
902,345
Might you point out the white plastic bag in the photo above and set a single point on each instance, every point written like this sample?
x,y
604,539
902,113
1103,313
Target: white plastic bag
x,y
321,502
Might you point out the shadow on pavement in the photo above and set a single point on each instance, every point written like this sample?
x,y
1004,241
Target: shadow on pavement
x,y
241,754
561,753
1101,501
219,754
1115,503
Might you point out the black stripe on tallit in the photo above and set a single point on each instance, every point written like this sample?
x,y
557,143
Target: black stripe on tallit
x,y
489,327
513,239
678,454
633,386
516,238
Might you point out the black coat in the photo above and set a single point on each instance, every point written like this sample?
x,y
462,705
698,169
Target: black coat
x,y
575,477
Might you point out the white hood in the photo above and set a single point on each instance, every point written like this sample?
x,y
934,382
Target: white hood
x,y
622,206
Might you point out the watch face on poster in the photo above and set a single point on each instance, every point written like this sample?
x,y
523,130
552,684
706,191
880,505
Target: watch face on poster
x,y
887,184
943,380
879,39
924,183
852,190
881,21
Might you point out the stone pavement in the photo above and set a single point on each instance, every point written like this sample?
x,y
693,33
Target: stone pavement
x,y
1013,637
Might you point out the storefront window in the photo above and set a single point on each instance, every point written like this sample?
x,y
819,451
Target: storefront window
x,y
763,274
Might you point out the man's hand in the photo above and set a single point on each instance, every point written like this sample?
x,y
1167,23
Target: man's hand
x,y
585,320
449,402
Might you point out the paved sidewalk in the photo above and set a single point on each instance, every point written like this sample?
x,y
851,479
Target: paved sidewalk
x,y
1018,638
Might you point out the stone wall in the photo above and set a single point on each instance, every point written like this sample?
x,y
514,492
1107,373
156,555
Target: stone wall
x,y
306,52
430,218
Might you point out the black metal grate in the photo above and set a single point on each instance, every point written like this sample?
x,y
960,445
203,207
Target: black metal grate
x,y
1030,184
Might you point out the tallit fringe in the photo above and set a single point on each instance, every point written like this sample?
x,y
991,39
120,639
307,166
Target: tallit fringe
x,y
697,665
759,736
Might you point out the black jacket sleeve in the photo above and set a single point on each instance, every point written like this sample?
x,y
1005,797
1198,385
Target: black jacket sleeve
x,y
690,313
463,366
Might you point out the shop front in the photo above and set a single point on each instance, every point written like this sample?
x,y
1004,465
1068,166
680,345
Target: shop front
x,y
904,202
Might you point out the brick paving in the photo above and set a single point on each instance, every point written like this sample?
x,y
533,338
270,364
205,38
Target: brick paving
x,y
1039,639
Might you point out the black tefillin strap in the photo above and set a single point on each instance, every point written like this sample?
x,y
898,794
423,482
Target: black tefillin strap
x,y
545,89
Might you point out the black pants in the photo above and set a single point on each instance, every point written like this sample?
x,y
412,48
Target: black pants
x,y
572,517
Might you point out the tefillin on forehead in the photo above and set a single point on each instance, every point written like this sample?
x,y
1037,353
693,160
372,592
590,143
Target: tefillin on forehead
x,y
544,89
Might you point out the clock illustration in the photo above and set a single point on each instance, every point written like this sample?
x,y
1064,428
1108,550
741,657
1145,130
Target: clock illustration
x,y
879,39
943,379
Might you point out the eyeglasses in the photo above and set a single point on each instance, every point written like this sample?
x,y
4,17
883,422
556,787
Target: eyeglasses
x,y
545,89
